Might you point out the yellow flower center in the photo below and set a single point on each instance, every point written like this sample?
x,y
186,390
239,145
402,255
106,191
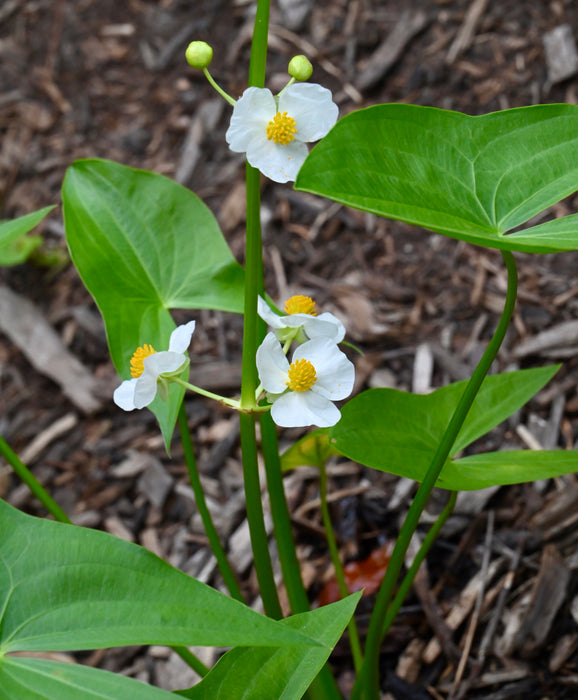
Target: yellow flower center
x,y
299,304
281,129
302,375
136,361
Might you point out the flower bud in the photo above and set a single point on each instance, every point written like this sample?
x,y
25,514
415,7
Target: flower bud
x,y
300,68
199,54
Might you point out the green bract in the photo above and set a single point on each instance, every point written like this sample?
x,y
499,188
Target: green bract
x,y
471,178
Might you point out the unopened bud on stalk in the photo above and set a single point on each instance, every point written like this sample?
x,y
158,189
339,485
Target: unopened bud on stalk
x,y
300,68
199,54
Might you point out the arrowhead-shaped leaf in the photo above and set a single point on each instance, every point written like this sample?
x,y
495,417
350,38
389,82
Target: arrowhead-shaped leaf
x,y
64,587
257,673
143,245
398,432
471,178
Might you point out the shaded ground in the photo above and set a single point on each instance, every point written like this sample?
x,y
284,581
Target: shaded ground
x,y
108,79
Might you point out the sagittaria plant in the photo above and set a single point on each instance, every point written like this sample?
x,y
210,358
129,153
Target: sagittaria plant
x,y
477,179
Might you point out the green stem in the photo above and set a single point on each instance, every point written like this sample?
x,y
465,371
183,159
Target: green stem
x,y
324,686
191,660
210,530
218,88
253,331
232,403
32,482
259,539
290,566
339,573
407,582
259,45
368,682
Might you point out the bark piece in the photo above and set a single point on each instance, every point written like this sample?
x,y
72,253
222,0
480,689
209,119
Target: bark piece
x,y
23,323
548,594
409,24
561,55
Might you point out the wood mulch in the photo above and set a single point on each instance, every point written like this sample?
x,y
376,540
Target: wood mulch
x,y
494,614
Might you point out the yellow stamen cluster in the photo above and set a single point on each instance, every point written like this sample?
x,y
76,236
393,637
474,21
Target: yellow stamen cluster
x,y
136,361
282,129
300,304
302,375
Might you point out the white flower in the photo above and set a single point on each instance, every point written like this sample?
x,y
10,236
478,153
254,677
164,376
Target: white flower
x,y
302,321
272,131
303,392
150,370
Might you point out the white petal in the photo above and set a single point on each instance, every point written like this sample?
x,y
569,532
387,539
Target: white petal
x,y
165,362
145,390
298,409
325,325
279,163
272,365
335,373
181,337
124,395
268,315
251,114
313,109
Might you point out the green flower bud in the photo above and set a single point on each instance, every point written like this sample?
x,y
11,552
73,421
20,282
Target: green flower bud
x,y
300,68
199,54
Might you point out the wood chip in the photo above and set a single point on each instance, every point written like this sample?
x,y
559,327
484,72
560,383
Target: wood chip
x,y
558,338
409,24
561,55
155,483
463,606
60,427
548,594
26,327
423,369
467,30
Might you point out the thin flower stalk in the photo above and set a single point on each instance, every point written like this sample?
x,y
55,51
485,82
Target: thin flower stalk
x,y
367,686
32,482
208,525
354,641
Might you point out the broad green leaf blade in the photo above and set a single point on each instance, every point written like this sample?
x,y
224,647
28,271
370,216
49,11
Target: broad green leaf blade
x,y
507,467
15,246
23,678
257,673
500,396
142,245
471,178
311,450
64,587
398,432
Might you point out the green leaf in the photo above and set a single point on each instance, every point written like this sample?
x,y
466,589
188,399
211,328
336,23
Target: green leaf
x,y
257,673
64,587
398,432
23,678
15,246
507,467
311,450
471,178
142,245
